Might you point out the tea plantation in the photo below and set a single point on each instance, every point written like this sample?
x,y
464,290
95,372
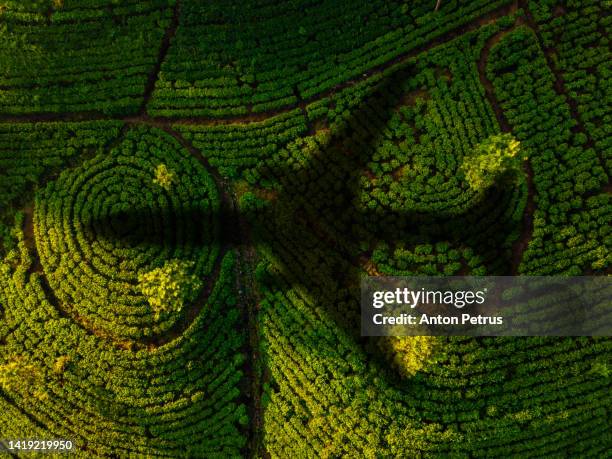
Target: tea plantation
x,y
191,191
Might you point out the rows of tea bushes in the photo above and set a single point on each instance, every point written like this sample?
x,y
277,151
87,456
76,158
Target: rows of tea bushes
x,y
241,149
327,396
82,355
577,36
248,151
179,399
79,56
571,230
31,152
100,226
234,58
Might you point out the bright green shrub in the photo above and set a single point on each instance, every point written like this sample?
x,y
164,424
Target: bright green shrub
x,y
495,157
169,287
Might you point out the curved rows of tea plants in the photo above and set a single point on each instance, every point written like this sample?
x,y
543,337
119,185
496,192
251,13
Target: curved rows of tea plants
x,y
42,147
124,315
234,149
383,176
101,225
326,396
42,150
178,399
571,223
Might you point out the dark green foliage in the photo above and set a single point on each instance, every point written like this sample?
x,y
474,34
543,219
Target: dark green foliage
x,y
237,57
87,56
578,33
571,221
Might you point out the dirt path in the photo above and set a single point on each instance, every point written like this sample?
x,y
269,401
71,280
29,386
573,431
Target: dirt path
x,y
246,259
254,368
233,222
30,240
522,243
163,51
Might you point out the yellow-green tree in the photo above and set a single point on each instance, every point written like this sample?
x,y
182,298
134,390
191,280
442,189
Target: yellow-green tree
x,y
20,375
410,354
496,157
169,287
164,177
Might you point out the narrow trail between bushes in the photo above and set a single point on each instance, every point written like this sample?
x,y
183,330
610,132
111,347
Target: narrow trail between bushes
x,y
163,52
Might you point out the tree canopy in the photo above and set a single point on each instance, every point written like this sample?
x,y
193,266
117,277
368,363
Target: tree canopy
x,y
496,157
168,288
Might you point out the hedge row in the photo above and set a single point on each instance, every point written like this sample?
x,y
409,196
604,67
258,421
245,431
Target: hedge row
x,y
92,56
